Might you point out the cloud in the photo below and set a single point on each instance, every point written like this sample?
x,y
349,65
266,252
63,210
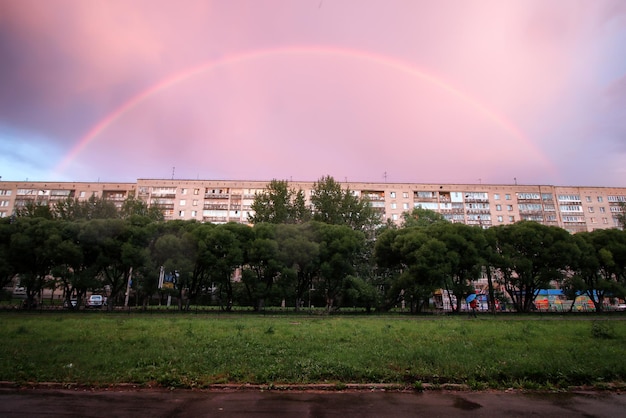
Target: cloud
x,y
542,66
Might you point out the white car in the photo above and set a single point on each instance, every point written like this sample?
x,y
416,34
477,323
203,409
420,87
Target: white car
x,y
95,301
621,307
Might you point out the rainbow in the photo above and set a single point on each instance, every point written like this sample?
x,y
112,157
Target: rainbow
x,y
321,51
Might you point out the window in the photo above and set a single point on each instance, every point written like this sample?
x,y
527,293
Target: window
x,y
569,198
392,195
183,191
498,207
578,219
511,218
394,216
82,194
4,203
509,207
181,213
183,202
405,206
496,196
571,208
590,209
393,205
196,191
599,199
500,219
195,202
507,196
588,198
5,192
476,196
405,195
194,213
529,207
528,196
605,221
602,209
593,220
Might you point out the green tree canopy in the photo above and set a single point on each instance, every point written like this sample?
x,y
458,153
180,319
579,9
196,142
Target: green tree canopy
x,y
529,256
337,206
421,217
279,205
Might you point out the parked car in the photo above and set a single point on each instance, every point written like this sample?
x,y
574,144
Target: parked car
x,y
621,307
72,302
26,304
95,301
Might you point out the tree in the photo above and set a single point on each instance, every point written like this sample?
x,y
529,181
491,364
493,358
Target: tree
x,y
31,253
359,292
220,252
108,242
298,253
137,207
597,270
336,206
35,210
421,217
264,264
175,249
279,205
73,265
621,215
7,229
463,251
420,261
339,246
529,256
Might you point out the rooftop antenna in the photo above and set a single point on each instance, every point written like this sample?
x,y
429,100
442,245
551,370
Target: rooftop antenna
x,y
173,170
385,176
515,180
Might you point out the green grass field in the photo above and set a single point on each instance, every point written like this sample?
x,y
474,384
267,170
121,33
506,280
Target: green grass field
x,y
197,351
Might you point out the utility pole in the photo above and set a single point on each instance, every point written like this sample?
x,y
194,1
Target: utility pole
x,y
128,283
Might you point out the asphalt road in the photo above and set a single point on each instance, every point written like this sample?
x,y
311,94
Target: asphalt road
x,y
183,403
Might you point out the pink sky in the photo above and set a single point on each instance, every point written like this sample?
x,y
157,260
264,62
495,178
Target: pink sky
x,y
425,91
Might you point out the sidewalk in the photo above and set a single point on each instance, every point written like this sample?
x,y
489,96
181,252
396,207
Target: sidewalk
x,y
375,403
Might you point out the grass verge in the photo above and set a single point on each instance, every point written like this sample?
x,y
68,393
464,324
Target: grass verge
x,y
200,351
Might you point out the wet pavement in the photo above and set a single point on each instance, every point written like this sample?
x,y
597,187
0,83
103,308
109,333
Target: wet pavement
x,y
185,403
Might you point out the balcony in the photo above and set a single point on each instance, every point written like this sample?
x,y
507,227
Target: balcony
x,y
215,206
163,195
216,196
476,200
478,211
215,219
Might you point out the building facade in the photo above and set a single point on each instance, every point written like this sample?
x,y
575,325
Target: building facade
x,y
219,201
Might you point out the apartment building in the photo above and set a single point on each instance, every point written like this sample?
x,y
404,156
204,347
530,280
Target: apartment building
x,y
219,201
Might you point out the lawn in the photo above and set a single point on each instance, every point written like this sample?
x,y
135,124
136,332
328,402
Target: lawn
x,y
101,349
